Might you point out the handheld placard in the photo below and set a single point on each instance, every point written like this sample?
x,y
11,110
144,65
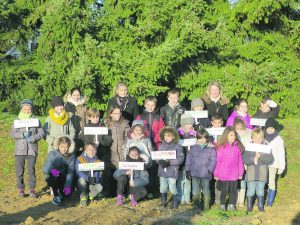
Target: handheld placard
x,y
131,165
95,131
163,155
188,142
258,148
258,122
198,114
215,132
91,167
26,123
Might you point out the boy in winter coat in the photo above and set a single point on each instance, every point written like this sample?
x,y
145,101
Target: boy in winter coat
x,y
168,169
26,148
198,105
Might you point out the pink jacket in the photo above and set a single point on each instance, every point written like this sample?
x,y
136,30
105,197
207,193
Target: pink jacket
x,y
234,114
230,165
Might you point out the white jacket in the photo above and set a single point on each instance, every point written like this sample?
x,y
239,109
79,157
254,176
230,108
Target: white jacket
x,y
278,152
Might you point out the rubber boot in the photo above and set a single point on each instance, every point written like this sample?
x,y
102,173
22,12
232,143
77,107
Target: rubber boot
x,y
271,197
163,200
249,204
260,203
175,202
119,200
133,200
196,201
241,197
206,202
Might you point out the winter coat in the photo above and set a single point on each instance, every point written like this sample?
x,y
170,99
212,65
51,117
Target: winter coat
x,y
216,107
173,170
140,177
153,123
201,162
171,116
119,132
230,165
83,158
258,172
130,112
234,114
266,115
278,152
21,145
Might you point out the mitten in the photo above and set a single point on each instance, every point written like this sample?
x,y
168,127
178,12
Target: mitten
x,y
67,190
55,172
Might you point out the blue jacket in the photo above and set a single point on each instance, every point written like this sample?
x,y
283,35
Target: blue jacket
x,y
66,166
86,174
173,169
201,162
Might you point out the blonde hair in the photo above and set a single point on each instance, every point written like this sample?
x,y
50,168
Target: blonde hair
x,y
120,84
214,83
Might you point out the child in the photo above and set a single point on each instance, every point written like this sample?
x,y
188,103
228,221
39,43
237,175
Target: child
x,y
240,111
268,108
168,169
126,103
136,179
172,111
103,141
58,122
88,182
199,165
186,131
277,167
198,105
230,166
257,171
152,121
26,148
60,168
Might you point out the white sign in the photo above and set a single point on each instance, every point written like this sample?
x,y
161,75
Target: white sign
x,y
215,131
26,123
95,131
258,122
91,166
258,148
198,114
163,155
131,165
187,142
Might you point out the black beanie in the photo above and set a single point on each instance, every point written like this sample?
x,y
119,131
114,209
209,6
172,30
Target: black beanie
x,y
57,101
271,122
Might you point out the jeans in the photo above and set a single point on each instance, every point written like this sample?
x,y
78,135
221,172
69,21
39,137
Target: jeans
x,y
20,167
255,187
272,178
196,182
83,187
184,187
168,182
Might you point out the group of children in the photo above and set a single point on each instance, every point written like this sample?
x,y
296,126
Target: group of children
x,y
218,166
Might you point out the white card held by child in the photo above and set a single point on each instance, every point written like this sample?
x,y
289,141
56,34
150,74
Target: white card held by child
x,y
188,142
26,123
198,114
215,131
95,131
258,148
91,166
163,155
131,165
258,122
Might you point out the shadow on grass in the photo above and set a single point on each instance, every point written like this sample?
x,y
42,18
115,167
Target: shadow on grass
x,y
296,220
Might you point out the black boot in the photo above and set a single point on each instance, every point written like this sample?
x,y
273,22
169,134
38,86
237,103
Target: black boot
x,y
196,201
163,200
260,203
249,204
175,202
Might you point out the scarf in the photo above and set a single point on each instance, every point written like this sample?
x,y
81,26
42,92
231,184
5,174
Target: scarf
x,y
271,137
215,99
24,116
122,102
182,133
203,146
61,119
129,159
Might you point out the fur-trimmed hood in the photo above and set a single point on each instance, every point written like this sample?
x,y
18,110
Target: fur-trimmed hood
x,y
222,101
72,146
168,129
68,98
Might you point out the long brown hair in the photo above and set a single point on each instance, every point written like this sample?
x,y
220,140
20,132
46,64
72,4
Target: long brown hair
x,y
108,119
224,138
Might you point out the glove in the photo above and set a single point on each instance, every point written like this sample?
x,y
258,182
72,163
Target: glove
x,y
92,180
164,163
67,190
280,171
271,104
55,172
26,134
188,175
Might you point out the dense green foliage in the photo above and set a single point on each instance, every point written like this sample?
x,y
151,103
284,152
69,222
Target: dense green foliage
x,y
252,47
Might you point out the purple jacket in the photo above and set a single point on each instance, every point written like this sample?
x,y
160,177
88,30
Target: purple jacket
x,y
201,162
172,170
234,114
230,165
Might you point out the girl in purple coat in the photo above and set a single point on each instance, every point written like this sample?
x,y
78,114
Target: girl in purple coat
x,y
230,166
199,165
240,111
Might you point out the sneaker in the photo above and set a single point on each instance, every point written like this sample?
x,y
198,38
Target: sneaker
x,y
32,193
231,207
83,202
56,200
223,208
21,193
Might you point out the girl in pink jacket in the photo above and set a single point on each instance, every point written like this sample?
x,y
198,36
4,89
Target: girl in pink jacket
x,y
230,166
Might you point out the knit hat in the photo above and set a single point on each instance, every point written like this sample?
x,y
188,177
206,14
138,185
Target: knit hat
x,y
138,122
186,119
57,101
26,102
197,102
271,122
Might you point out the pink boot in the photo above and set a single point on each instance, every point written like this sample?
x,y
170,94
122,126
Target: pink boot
x,y
133,201
119,200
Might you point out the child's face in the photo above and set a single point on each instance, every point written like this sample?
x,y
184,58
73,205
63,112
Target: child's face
x,y
270,130
116,115
122,91
264,107
217,123
134,154
90,151
258,139
75,96
214,91
26,109
94,119
173,99
198,108
168,137
239,128
137,131
150,106
231,137
188,127
202,141
243,108
63,148
58,109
